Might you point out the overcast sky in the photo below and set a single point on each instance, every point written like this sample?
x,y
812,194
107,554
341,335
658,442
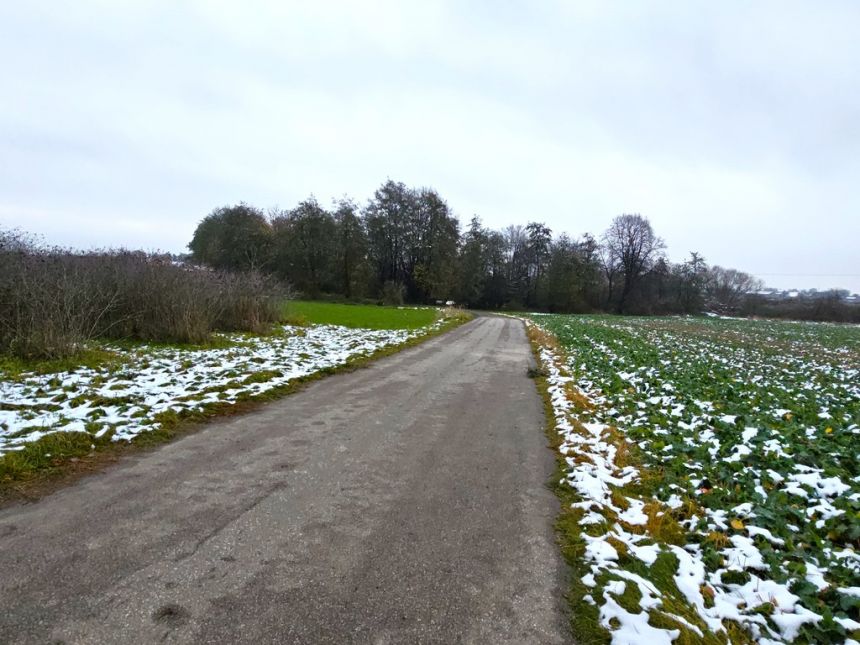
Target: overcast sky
x,y
733,126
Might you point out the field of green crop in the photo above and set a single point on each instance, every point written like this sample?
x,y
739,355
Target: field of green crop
x,y
713,468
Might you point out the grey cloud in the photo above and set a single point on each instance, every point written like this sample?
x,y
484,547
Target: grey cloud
x,y
733,126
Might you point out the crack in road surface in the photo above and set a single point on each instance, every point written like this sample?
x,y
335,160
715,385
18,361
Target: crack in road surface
x,y
401,503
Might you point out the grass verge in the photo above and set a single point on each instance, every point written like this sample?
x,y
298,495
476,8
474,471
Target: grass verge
x,y
584,619
12,368
61,457
662,526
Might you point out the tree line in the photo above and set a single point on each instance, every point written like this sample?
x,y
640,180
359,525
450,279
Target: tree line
x,y
406,245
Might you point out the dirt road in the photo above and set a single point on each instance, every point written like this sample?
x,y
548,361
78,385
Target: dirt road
x,y
401,503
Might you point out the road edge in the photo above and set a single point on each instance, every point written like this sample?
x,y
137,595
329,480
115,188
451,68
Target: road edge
x,y
67,469
583,620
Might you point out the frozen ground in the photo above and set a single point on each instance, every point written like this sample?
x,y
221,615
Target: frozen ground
x,y
716,469
148,383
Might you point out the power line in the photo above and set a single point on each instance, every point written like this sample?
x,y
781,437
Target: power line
x,y
811,275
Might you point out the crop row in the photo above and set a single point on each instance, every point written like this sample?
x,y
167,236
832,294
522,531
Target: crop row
x,y
715,463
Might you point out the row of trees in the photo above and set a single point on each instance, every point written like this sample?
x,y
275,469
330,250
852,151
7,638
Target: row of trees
x,y
405,244
404,239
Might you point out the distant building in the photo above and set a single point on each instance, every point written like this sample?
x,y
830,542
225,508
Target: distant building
x,y
778,295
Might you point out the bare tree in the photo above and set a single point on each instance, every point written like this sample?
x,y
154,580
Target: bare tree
x,y
726,288
631,247
610,268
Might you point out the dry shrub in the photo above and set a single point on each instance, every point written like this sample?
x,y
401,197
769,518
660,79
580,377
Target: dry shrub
x,y
48,307
156,300
52,300
248,302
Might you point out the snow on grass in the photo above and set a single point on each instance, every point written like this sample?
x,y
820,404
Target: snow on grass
x,y
149,382
702,447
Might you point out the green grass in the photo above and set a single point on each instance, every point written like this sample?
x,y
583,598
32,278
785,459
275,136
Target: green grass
x,y
12,368
47,453
100,354
363,316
